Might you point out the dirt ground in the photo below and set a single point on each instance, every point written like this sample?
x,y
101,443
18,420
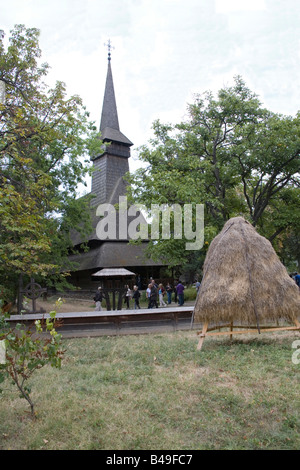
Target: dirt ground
x,y
68,305
74,305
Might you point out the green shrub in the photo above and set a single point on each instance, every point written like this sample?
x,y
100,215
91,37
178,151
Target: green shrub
x,y
190,293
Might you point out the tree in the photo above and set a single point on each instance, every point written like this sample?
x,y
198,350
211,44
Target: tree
x,y
232,155
212,126
45,139
280,223
170,177
27,351
267,157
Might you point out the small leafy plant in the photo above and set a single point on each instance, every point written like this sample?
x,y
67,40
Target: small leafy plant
x,y
27,350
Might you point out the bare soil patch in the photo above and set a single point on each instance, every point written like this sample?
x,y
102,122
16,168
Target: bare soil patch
x,y
68,305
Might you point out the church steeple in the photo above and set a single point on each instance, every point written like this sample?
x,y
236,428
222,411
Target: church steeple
x,y
109,124
108,184
109,117
111,165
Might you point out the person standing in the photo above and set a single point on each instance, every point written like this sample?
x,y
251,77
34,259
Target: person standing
x,y
98,299
161,292
136,297
148,295
180,293
127,296
169,290
153,295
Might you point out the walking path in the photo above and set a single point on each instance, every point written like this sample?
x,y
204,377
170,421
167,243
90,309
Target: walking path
x,y
96,323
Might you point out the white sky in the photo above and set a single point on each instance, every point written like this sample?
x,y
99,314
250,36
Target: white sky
x,y
165,50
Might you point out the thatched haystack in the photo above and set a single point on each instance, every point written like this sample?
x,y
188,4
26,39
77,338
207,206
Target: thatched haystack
x,y
244,281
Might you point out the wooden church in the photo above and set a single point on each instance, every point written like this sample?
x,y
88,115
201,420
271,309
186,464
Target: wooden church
x,y
108,185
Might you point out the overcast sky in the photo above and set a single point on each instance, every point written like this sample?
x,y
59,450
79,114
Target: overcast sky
x,y
165,50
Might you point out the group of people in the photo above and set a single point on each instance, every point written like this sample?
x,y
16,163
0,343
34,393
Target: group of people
x,y
155,294
128,295
135,295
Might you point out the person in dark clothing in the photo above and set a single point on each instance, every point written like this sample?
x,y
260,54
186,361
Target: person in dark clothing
x,y
297,279
180,289
127,297
169,290
136,296
98,299
153,296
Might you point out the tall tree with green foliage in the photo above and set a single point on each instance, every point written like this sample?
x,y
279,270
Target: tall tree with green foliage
x,y
232,155
267,157
45,140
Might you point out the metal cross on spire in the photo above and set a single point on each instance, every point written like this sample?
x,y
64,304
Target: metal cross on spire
x,y
109,47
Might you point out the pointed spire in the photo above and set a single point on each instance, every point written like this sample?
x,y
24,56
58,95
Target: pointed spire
x,y
109,117
109,124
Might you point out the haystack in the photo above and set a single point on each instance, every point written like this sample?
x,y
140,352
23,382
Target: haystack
x,y
244,281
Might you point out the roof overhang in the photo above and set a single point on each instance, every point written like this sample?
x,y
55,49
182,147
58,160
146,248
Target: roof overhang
x,y
114,272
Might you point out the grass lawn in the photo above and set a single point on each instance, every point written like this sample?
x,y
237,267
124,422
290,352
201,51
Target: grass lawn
x,y
157,392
